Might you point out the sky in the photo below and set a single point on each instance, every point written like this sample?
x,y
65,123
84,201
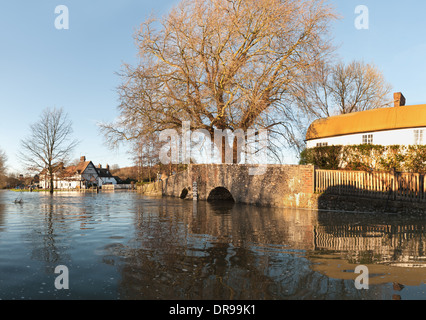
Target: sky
x,y
75,69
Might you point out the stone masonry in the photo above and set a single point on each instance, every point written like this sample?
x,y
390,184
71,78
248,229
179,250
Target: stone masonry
x,y
278,186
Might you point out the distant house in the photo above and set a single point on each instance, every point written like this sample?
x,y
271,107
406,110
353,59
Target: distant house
x,y
105,176
81,176
398,125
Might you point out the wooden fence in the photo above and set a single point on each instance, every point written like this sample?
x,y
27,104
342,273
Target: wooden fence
x,y
385,185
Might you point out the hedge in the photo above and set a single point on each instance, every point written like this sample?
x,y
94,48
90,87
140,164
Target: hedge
x,y
367,157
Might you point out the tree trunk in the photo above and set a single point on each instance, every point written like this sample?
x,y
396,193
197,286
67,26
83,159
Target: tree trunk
x,y
236,151
51,184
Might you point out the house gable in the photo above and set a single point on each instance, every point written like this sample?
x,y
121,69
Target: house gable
x,y
89,172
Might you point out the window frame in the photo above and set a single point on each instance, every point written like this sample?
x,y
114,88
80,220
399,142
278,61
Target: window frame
x,y
418,137
367,138
322,144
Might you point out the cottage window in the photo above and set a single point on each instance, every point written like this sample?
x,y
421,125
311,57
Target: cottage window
x,y
367,139
322,144
418,137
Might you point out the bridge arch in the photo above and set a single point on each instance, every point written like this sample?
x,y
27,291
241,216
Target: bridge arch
x,y
184,193
220,194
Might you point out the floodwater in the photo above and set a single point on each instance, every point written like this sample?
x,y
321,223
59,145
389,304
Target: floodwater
x,y
123,245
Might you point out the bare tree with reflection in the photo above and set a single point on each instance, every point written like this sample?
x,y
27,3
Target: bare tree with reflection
x,y
49,145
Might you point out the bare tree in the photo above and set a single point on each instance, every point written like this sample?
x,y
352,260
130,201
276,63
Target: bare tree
x,y
145,153
49,146
221,65
332,88
340,89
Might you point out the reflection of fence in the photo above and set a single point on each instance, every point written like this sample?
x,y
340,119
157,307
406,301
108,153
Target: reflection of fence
x,y
389,185
117,186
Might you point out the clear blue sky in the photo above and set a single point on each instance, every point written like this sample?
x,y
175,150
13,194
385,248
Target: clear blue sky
x,y
41,66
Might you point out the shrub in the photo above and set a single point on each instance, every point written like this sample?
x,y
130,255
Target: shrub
x,y
367,157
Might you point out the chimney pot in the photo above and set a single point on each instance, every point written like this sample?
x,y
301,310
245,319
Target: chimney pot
x,y
399,99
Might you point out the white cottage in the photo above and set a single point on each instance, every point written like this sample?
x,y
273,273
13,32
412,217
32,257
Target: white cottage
x,y
398,125
81,176
105,176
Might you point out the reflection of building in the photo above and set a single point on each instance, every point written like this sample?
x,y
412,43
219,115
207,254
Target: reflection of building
x,y
400,125
80,176
388,244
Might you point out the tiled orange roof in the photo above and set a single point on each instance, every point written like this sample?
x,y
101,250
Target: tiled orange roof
x,y
56,168
81,166
69,171
369,121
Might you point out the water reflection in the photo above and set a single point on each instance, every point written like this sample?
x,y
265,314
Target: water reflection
x,y
245,252
2,214
123,245
392,246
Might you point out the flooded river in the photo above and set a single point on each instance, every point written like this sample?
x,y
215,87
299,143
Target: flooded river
x,y
123,245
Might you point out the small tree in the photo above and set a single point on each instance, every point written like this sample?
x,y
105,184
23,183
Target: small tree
x,y
145,154
48,147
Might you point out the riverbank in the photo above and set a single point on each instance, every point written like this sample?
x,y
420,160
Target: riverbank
x,y
56,190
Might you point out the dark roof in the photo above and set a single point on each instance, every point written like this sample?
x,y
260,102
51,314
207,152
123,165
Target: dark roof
x,y
104,173
118,179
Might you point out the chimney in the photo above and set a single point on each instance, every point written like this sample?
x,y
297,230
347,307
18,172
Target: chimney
x,y
399,99
107,166
99,166
83,158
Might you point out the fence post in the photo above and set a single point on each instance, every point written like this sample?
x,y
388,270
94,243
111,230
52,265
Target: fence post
x,y
424,187
393,184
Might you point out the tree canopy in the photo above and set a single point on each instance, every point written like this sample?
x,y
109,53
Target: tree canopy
x,y
221,65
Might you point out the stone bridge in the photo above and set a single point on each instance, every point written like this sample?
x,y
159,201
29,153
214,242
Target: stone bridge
x,y
280,186
277,186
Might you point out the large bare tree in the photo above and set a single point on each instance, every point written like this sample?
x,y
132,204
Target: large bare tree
x,y
221,64
49,145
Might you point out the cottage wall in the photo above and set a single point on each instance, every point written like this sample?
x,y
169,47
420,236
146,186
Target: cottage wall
x,y
383,138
